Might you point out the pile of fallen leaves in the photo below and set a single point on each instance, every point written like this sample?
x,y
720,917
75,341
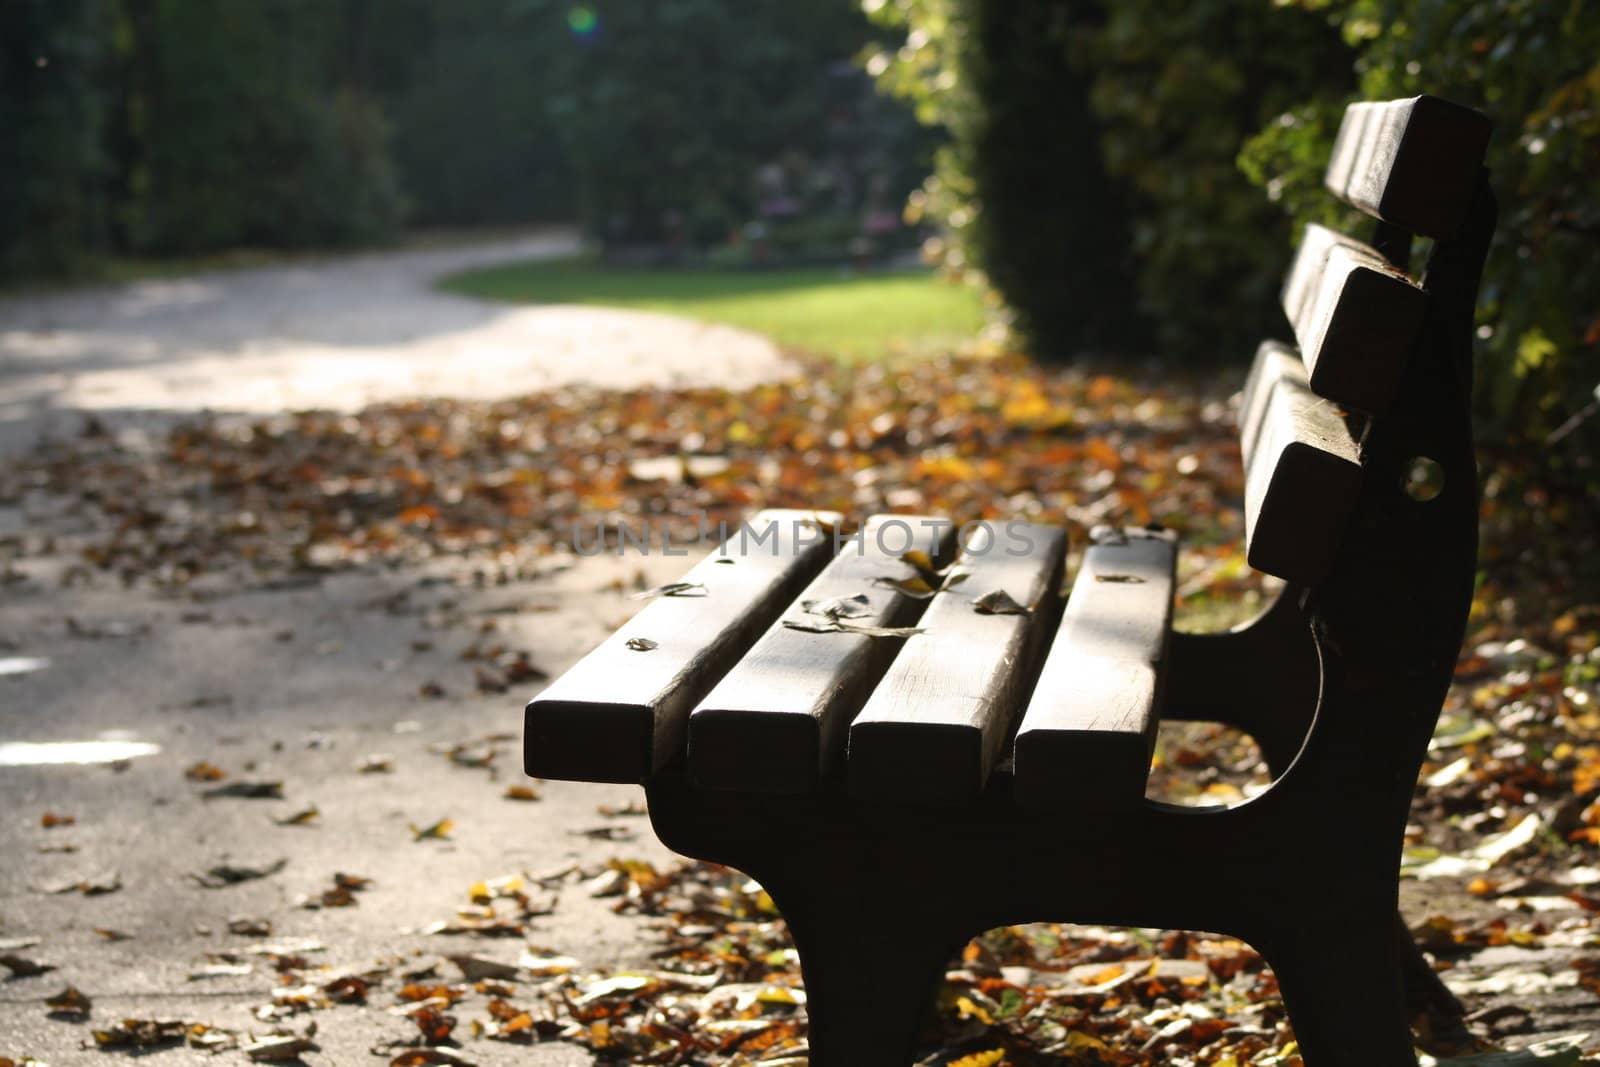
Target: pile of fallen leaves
x,y
1508,807
965,439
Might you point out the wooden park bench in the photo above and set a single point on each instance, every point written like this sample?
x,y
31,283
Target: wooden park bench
x,y
898,795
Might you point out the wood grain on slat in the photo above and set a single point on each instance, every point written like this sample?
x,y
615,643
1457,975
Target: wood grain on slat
x,y
1302,478
1413,163
621,713
1300,285
1274,361
1090,728
1357,326
776,723
932,729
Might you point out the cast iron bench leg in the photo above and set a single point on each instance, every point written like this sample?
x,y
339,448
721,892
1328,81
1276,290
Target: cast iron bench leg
x,y
1341,977
870,978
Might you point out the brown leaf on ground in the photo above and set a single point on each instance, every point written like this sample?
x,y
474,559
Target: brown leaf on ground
x,y
93,886
226,874
431,1057
71,1004
304,817
50,820
246,791
22,967
205,772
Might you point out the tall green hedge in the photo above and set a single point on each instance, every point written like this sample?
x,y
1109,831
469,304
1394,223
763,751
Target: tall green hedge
x,y
237,130
52,157
1091,179
1021,189
1216,119
1534,67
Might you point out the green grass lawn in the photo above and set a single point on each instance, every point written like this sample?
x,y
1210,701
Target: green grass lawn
x,y
848,316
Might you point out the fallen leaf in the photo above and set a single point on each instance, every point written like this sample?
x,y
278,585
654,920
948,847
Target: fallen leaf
x,y
70,1003
689,589
999,602
225,874
205,772
304,817
436,1026
278,1049
642,644
376,763
93,886
520,792
476,968
839,607
848,626
915,586
245,926
632,807
437,831
21,967
50,820
430,1057
604,833
247,791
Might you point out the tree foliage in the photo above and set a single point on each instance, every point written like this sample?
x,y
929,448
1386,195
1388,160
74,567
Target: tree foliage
x,y
179,126
52,160
239,132
1534,67
668,108
1091,174
1021,188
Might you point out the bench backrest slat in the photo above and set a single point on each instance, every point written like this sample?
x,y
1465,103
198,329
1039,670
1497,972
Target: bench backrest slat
x,y
776,723
621,713
1413,163
1302,479
1274,361
1356,319
932,730
1087,736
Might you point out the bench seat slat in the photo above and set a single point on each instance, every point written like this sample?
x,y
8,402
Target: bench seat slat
x,y
931,732
1356,320
621,713
1413,163
776,723
1090,727
1302,478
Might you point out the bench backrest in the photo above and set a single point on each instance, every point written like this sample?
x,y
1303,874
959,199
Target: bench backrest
x,y
1362,326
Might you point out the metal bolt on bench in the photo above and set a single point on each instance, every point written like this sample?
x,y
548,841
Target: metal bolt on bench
x,y
837,767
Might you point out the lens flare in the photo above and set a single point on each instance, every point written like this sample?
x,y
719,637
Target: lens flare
x,y
583,20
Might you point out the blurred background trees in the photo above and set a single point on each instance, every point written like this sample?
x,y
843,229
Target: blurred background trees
x,y
1127,177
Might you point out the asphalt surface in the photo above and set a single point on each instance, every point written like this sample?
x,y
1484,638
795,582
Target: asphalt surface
x,y
298,684
335,332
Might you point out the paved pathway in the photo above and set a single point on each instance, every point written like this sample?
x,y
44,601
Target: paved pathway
x,y
337,332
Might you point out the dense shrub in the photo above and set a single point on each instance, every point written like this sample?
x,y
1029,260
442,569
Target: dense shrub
x,y
52,160
1534,67
1021,189
668,110
1091,177
237,132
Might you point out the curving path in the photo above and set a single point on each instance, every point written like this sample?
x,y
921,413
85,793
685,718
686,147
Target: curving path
x,y
336,332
